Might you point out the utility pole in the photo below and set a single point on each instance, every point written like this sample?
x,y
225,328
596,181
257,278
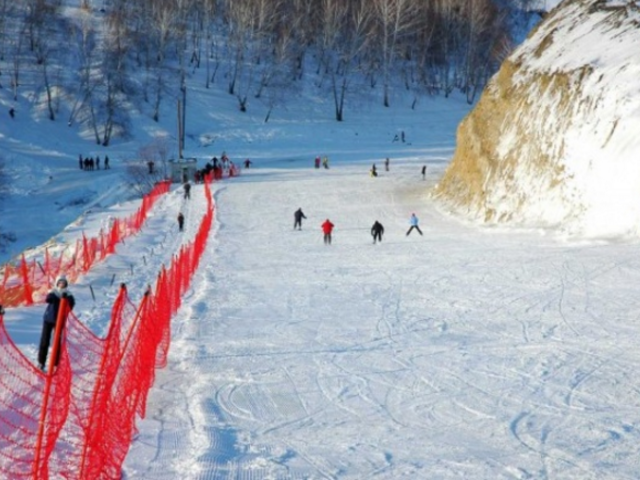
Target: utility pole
x,y
179,129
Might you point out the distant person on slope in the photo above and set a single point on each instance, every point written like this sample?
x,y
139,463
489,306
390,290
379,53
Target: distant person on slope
x,y
58,297
414,224
376,231
187,190
297,219
327,228
180,222
424,171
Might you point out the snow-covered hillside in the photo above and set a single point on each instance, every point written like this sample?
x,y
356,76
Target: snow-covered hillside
x,y
554,141
465,353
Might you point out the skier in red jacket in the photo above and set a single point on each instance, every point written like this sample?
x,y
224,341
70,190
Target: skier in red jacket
x,y
327,228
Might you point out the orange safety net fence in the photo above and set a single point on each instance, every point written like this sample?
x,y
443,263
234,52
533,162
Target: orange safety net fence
x,y
21,283
80,425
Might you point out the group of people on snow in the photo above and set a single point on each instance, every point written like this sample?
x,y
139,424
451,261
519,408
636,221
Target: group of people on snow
x,y
324,161
89,163
377,229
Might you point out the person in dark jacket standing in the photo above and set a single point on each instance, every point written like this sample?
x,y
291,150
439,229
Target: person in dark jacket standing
x,y
297,219
58,296
327,228
376,231
180,222
187,190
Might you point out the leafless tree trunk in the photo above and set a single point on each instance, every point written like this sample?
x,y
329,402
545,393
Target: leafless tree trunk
x,y
395,18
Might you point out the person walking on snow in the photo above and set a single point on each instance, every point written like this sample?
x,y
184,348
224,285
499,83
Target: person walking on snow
x,y
58,297
376,231
414,224
327,228
187,190
297,219
180,222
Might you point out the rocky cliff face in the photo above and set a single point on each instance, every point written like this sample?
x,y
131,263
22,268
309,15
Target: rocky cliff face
x,y
554,140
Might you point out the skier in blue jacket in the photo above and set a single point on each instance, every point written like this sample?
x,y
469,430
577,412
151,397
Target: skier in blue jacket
x,y
414,224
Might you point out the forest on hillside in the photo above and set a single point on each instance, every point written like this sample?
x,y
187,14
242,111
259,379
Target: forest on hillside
x,y
93,57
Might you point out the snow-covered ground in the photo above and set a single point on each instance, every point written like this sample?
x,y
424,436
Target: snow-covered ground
x,y
468,352
460,354
464,353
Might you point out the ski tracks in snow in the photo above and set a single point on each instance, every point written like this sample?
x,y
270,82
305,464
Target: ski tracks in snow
x,y
460,354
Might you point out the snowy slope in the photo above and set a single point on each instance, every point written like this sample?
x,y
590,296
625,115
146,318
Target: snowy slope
x,y
460,354
553,142
465,353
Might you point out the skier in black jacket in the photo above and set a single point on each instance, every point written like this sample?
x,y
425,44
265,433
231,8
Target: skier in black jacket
x,y
297,219
54,300
376,231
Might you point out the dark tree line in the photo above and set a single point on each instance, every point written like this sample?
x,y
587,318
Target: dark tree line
x,y
101,55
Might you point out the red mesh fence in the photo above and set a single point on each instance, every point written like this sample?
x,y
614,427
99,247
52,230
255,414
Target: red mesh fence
x,y
22,402
32,278
78,422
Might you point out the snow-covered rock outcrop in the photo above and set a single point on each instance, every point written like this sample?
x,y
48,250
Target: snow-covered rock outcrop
x,y
554,140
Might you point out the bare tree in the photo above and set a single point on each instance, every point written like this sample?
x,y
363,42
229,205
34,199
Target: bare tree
x,y
278,76
345,38
212,49
395,19
163,13
252,27
7,12
137,171
302,19
6,237
486,32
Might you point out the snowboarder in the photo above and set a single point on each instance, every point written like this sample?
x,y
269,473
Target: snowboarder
x,y
187,190
58,297
424,171
414,224
376,231
327,228
297,219
180,222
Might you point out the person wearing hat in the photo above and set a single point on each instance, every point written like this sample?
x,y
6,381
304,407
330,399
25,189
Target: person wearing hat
x,y
53,300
